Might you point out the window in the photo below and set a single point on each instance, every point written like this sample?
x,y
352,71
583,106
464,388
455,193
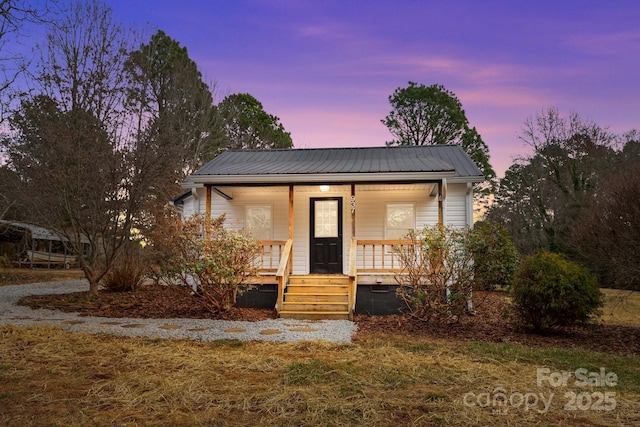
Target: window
x,y
400,219
326,218
258,222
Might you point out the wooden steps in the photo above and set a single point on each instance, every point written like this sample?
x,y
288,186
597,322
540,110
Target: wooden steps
x,y
316,297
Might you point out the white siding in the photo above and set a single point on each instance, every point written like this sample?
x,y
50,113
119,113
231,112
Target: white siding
x,y
189,207
457,205
241,198
371,202
371,209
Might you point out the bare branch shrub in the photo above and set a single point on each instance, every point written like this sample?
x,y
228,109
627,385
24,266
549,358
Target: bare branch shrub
x,y
129,270
437,273
217,260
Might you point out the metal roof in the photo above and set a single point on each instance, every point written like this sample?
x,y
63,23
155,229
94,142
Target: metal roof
x,y
306,165
38,233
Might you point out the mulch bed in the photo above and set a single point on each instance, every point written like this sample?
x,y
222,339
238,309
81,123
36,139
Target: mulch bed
x,y
146,302
493,321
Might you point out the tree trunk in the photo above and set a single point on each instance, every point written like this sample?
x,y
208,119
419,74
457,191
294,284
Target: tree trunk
x,y
94,282
93,286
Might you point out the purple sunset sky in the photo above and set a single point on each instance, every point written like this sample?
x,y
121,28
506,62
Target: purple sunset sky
x,y
327,67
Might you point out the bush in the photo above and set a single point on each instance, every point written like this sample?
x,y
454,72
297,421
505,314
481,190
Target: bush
x,y
437,273
216,260
128,271
494,255
550,291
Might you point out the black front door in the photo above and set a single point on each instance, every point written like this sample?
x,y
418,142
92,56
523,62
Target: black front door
x,y
326,235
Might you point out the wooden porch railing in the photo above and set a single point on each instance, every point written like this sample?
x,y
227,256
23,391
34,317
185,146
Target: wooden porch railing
x,y
270,254
380,256
365,256
284,270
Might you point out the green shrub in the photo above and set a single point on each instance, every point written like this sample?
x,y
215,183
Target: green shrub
x,y
494,254
550,291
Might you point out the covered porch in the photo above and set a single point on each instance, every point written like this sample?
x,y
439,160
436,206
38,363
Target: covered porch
x,y
326,296
332,243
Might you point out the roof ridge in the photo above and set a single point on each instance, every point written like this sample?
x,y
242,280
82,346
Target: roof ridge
x,y
394,147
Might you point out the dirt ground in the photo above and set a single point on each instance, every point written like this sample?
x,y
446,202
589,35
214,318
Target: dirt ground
x,y
493,321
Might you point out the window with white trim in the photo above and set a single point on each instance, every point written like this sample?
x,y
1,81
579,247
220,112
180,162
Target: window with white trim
x,y
400,219
258,222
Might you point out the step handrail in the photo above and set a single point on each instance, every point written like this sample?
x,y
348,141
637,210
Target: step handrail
x,y
284,270
353,276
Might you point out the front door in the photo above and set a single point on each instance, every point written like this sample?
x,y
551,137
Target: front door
x,y
326,235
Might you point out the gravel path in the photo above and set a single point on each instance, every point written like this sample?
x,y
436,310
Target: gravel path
x,y
278,330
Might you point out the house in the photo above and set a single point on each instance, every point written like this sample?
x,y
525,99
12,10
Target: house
x,y
328,219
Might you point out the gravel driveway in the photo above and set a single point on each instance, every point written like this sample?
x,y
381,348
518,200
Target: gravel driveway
x,y
278,330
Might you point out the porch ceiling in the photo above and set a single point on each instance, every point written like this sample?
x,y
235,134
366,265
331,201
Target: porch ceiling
x,y
426,187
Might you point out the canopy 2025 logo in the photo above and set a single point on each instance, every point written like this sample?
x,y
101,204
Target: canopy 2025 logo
x,y
500,401
582,378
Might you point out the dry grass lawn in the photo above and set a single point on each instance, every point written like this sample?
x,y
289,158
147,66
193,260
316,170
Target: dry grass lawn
x,y
21,276
54,378
621,307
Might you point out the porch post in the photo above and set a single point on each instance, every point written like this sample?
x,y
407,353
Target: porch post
x,y
442,195
208,202
353,211
291,227
291,212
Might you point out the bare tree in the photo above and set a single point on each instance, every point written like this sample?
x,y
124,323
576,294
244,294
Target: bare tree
x,y
607,235
79,168
542,194
15,18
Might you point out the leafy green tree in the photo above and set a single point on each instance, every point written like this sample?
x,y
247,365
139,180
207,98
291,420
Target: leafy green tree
x,y
248,126
16,16
9,185
525,205
174,106
430,115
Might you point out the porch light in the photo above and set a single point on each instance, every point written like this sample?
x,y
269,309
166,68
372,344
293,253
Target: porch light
x,y
324,188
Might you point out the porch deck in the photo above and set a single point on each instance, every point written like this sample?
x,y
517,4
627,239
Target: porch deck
x,y
321,296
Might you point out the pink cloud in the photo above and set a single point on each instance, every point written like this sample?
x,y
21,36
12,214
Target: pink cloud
x,y
504,96
625,44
